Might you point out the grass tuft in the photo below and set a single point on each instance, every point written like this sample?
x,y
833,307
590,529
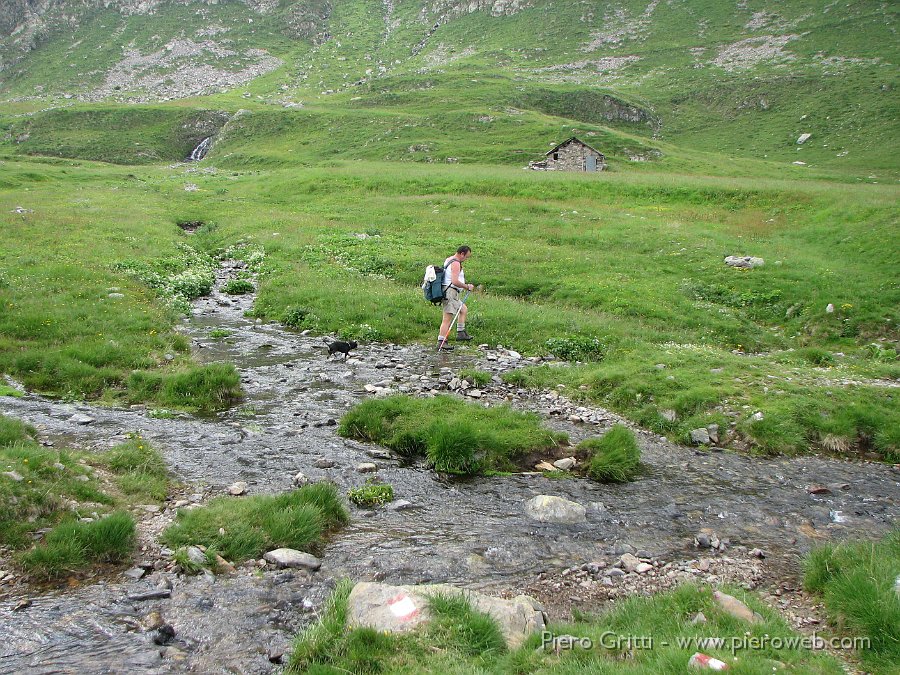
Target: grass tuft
x,y
73,546
456,436
371,494
858,582
615,458
244,528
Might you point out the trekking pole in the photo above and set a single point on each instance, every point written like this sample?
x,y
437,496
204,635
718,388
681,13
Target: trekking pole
x,y
453,323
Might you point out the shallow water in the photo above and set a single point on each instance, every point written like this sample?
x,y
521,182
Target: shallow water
x,y
471,532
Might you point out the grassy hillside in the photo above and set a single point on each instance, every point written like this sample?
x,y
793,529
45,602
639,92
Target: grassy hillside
x,y
743,78
634,260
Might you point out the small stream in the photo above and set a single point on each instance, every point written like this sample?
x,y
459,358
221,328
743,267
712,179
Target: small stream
x,y
470,532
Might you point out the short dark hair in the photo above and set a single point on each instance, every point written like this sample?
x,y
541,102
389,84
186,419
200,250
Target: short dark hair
x,y
463,250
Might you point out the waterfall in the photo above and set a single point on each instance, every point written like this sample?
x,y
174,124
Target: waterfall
x,y
200,151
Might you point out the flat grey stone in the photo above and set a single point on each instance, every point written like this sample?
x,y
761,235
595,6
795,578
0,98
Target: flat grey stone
x,y
288,557
551,509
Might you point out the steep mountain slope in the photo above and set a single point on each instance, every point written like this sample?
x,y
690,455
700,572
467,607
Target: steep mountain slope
x,y
746,78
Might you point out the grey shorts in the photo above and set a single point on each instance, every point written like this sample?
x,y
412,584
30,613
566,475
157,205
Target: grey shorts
x,y
451,302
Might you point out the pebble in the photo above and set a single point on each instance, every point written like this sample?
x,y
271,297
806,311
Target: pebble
x,y
367,467
238,488
323,463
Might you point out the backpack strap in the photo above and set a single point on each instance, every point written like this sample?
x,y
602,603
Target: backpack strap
x,y
447,270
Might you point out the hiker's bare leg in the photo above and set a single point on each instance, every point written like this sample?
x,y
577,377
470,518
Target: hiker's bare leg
x,y
445,326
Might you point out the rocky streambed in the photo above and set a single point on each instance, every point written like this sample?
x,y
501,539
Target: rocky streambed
x,y
693,514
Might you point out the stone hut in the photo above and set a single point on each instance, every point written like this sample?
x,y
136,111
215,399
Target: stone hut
x,y
574,155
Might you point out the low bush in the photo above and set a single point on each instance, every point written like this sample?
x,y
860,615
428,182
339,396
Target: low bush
x,y
456,436
816,356
576,348
371,494
858,583
238,287
615,457
295,317
244,528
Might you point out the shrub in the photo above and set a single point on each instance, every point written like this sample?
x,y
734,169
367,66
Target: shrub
x,y
238,287
295,316
615,458
371,494
576,348
816,356
858,584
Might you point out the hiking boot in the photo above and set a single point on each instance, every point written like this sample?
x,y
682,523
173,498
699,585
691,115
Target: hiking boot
x,y
463,335
445,346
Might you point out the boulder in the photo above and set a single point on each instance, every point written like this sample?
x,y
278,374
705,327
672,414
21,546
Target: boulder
x,y
238,488
289,557
735,607
399,609
700,436
79,418
550,509
744,261
564,464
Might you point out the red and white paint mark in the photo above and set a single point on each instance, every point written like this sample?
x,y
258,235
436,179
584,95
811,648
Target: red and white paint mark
x,y
403,607
704,661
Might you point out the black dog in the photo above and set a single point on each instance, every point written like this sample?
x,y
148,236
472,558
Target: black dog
x,y
340,346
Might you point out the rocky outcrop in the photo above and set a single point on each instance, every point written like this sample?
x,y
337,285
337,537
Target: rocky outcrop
x,y
399,609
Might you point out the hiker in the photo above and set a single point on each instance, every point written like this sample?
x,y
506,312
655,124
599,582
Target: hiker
x,y
454,282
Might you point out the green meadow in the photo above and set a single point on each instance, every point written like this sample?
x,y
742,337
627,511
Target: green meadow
x,y
630,261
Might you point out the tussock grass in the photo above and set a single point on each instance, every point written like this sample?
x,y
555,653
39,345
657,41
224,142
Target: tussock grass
x,y
371,494
73,546
461,640
253,525
14,431
202,388
52,481
615,457
456,436
479,378
858,583
141,470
